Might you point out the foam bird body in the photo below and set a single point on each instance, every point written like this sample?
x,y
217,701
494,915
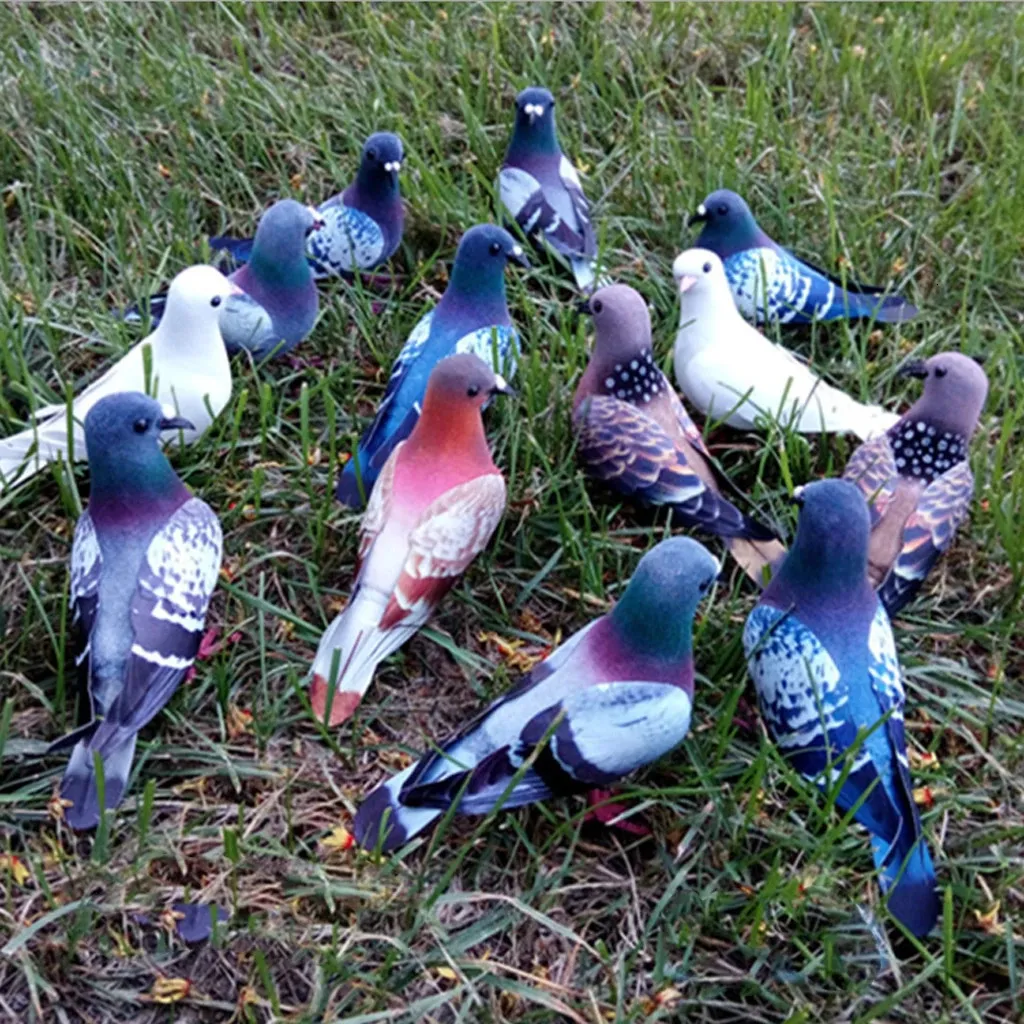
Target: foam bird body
x,y
361,227
276,302
190,373
144,563
434,509
635,435
768,282
615,697
916,477
730,371
821,652
541,190
472,317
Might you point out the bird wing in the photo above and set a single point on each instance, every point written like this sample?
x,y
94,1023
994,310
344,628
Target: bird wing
x,y
496,344
623,447
552,210
690,429
452,531
168,612
349,240
378,508
246,324
805,702
942,507
872,467
86,568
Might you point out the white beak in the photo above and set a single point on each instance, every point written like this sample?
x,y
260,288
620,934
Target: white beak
x,y
686,283
702,210
393,165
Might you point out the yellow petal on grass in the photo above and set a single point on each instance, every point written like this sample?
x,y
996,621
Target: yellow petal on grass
x,y
165,171
447,973
239,721
339,839
295,181
921,761
989,921
170,990
15,867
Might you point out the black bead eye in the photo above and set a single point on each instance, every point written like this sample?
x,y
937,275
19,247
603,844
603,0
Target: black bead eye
x,y
472,391
216,301
495,248
723,210
940,371
371,154
597,305
140,426
707,268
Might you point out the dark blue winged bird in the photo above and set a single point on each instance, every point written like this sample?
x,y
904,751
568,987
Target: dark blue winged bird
x,y
472,316
821,652
769,282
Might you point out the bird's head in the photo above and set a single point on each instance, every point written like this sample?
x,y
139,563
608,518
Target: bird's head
x,y
656,609
832,531
699,274
382,158
196,299
727,223
621,321
464,381
282,232
480,261
535,107
955,389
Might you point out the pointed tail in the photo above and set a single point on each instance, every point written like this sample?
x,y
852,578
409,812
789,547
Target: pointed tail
x,y
893,309
755,556
907,874
239,249
347,489
80,786
156,304
350,650
382,817
26,454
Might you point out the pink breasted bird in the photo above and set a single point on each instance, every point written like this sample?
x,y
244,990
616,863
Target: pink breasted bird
x,y
435,506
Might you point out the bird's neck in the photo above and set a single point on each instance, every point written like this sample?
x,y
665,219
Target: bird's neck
x,y
277,270
650,636
125,490
450,432
539,140
472,288
816,577
959,421
373,186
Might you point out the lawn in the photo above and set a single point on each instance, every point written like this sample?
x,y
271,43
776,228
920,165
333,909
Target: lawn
x,y
886,137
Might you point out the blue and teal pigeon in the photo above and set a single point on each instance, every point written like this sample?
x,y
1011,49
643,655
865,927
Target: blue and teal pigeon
x,y
472,316
635,436
361,227
615,697
144,562
763,274
917,478
277,302
541,190
821,652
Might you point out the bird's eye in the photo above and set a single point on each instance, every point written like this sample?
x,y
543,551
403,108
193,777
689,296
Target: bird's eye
x,y
371,154
940,371
216,301
495,248
472,391
723,210
597,305
140,426
707,268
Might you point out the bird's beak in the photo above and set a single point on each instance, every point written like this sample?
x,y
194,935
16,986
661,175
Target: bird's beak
x,y
393,167
516,255
918,368
233,289
797,497
502,387
175,423
699,216
686,283
583,307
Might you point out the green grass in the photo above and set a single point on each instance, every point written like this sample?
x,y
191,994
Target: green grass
x,y
890,137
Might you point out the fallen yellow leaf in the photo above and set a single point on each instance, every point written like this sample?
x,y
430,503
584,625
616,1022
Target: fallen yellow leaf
x,y
921,761
989,921
165,171
446,972
239,721
339,839
170,990
16,868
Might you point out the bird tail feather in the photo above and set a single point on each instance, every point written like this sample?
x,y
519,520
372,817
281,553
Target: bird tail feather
x,y
239,249
347,490
754,556
893,309
359,645
26,454
383,817
907,874
80,786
